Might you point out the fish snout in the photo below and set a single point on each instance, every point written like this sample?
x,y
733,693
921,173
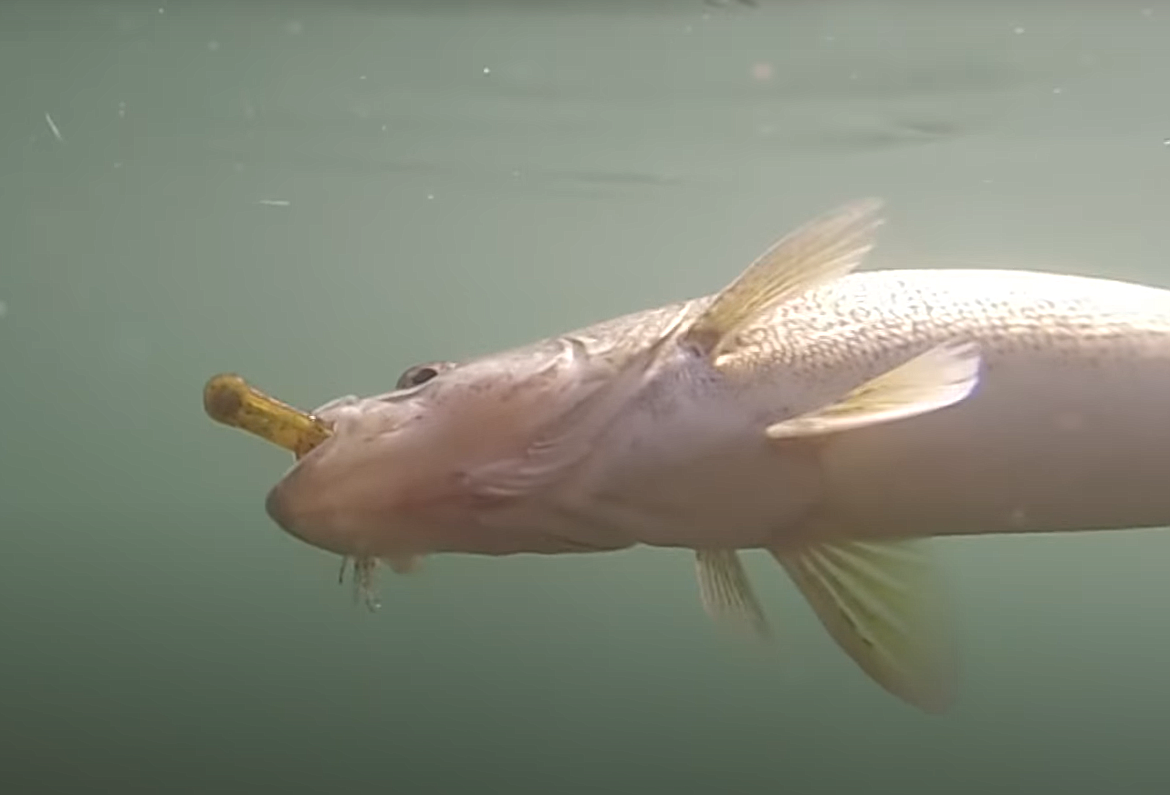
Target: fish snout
x,y
294,513
276,505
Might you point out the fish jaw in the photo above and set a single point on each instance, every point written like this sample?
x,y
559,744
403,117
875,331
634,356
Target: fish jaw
x,y
352,495
468,462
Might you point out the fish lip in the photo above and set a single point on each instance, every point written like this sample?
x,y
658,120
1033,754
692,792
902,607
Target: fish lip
x,y
310,524
277,508
280,506
276,505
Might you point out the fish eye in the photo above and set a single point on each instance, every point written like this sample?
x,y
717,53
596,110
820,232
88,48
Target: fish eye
x,y
420,374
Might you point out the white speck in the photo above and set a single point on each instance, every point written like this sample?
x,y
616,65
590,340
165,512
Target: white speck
x,y
3,309
987,181
1147,12
294,27
1166,142
361,77
1018,31
430,197
162,11
853,75
213,45
383,128
1058,90
117,164
53,128
516,174
689,29
830,39
487,70
238,167
121,110
275,202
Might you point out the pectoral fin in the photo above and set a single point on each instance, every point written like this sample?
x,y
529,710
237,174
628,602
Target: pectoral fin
x,y
727,592
934,380
883,604
823,249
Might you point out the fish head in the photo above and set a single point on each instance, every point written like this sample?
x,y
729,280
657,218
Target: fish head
x,y
401,468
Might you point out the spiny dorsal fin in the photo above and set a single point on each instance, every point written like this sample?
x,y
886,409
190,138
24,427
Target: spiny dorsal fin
x,y
884,606
727,592
934,380
822,250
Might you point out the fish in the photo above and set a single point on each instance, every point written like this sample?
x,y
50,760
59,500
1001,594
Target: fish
x,y
838,420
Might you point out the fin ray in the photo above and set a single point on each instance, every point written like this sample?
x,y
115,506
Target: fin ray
x,y
941,377
821,250
883,605
727,593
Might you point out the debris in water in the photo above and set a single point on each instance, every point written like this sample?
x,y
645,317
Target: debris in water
x,y
365,589
275,202
54,129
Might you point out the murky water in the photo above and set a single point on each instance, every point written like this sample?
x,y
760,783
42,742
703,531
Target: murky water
x,y
318,195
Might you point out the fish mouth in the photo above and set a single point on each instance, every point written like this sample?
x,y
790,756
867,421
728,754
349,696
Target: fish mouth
x,y
230,400
299,506
280,509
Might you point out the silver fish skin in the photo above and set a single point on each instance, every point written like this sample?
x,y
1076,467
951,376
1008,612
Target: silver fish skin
x,y
835,419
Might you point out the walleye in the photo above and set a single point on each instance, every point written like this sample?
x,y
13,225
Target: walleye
x,y
835,419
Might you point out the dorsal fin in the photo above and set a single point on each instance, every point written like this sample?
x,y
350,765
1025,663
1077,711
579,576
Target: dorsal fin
x,y
821,250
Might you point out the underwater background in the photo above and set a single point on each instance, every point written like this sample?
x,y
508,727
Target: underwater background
x,y
319,194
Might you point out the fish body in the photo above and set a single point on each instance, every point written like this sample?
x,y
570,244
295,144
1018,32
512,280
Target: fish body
x,y
1068,428
834,419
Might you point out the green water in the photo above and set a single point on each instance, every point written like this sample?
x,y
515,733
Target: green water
x,y
318,195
